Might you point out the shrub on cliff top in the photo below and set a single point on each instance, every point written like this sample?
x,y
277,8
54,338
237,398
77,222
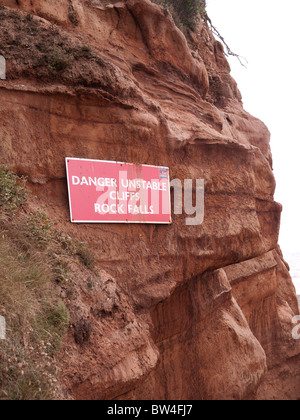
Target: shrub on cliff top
x,y
184,12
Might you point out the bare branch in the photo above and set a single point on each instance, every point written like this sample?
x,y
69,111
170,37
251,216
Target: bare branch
x,y
243,61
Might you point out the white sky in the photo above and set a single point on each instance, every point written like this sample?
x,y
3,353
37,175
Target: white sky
x,y
267,33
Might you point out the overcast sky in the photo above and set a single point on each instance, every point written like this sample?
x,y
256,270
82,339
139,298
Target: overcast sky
x,y
266,32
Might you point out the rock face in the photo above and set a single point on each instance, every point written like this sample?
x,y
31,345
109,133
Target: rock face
x,y
174,312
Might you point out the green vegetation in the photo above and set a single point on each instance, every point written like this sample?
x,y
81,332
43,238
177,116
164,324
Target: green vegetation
x,y
51,325
34,258
58,245
185,12
12,190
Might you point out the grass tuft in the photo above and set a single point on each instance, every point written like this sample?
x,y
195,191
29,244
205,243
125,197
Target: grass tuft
x,y
12,190
34,257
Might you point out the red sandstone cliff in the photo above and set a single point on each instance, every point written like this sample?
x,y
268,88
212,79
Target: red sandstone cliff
x,y
176,312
